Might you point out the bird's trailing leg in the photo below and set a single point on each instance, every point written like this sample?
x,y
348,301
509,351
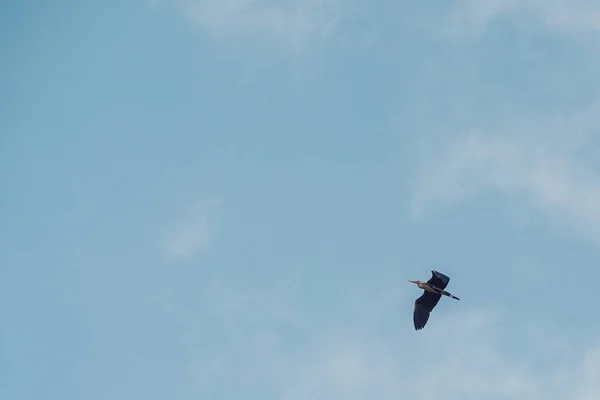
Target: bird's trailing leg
x,y
448,294
441,291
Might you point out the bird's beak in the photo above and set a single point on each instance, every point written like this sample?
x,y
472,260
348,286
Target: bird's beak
x,y
412,281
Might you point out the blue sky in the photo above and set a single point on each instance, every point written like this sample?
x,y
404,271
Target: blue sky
x,y
225,199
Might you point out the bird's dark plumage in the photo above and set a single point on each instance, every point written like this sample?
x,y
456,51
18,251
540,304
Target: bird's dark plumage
x,y
425,304
423,307
438,280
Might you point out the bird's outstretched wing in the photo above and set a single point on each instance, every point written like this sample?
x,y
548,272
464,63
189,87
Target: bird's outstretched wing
x,y
438,280
423,307
420,317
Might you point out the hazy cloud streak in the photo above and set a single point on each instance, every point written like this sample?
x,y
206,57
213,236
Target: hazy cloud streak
x,y
195,230
551,179
292,23
472,16
462,355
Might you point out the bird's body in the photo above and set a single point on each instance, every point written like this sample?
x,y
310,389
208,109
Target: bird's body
x,y
434,289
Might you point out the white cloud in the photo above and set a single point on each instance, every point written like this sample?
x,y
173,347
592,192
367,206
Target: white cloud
x,y
551,179
293,23
548,163
195,230
471,16
460,355
468,365
153,4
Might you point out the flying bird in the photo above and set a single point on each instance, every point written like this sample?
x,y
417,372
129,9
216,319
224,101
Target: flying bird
x,y
434,289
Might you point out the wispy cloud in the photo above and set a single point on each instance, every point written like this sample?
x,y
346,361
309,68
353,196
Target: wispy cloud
x,y
472,16
551,180
461,355
549,163
293,23
194,231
